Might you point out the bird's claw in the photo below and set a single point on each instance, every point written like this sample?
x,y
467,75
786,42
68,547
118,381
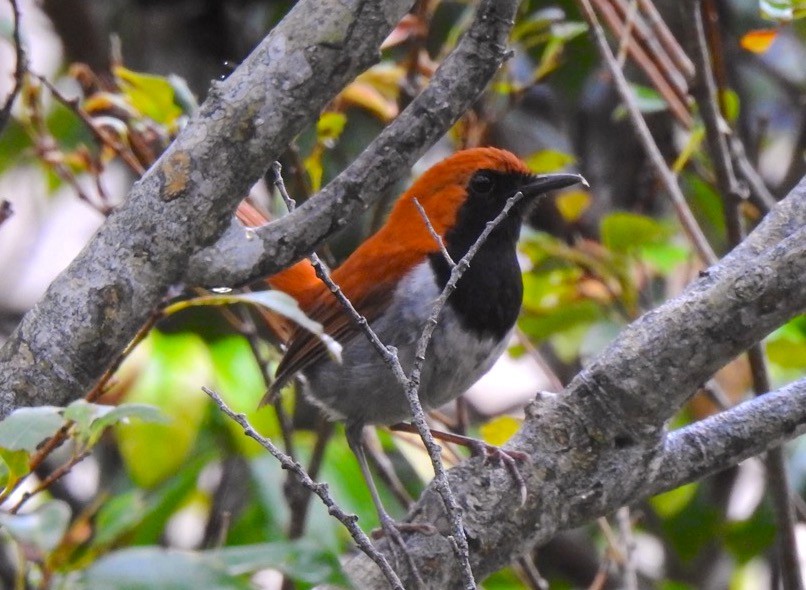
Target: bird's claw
x,y
509,459
391,530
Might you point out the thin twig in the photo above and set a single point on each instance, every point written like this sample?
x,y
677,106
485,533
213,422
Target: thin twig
x,y
412,389
434,234
19,69
320,489
627,32
687,220
531,573
102,136
49,480
387,353
760,195
716,128
628,548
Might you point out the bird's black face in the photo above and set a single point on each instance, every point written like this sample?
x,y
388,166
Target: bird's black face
x,y
488,296
488,192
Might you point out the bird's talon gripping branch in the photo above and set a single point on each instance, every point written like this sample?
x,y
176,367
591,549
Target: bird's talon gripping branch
x,y
478,448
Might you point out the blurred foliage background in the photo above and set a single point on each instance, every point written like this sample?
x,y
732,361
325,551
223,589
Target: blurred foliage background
x,y
150,469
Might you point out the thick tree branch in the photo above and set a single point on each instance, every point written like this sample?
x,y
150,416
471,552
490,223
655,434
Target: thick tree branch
x,y
457,82
186,200
722,440
602,444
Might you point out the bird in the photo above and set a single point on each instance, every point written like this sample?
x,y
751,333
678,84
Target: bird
x,y
393,279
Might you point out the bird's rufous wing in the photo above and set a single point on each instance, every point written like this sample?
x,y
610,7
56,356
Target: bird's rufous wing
x,y
305,348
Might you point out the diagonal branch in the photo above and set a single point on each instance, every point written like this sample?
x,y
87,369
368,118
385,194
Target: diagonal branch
x,y
186,200
238,258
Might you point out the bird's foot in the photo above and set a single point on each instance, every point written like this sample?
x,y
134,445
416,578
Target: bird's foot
x,y
478,448
391,529
498,456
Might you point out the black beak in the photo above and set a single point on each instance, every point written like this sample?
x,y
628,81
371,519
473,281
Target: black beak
x,y
543,183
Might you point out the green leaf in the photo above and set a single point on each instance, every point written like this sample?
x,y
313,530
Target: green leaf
x,y
117,516
14,466
730,100
153,96
92,419
777,10
648,101
155,568
625,232
42,528
690,529
569,315
25,428
746,539
545,161
664,257
175,368
672,502
83,413
240,383
301,560
142,516
786,347
568,30
572,204
499,430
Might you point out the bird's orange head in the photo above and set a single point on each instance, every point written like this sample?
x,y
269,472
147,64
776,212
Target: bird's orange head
x,y
472,186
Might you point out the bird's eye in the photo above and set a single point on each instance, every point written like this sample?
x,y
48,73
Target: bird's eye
x,y
482,183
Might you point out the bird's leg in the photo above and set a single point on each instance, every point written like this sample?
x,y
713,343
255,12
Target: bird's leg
x,y
389,527
479,448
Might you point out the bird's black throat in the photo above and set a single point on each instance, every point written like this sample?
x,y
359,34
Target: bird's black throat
x,y
488,297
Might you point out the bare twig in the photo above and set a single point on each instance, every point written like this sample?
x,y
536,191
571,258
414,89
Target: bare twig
x,y
628,548
531,573
320,489
434,234
102,136
687,220
760,195
705,93
19,69
49,480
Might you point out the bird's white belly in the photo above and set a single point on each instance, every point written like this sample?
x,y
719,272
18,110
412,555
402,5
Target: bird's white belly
x,y
364,389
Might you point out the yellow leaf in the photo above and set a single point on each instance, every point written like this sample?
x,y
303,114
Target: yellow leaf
x,y
545,161
499,430
573,204
759,40
368,97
